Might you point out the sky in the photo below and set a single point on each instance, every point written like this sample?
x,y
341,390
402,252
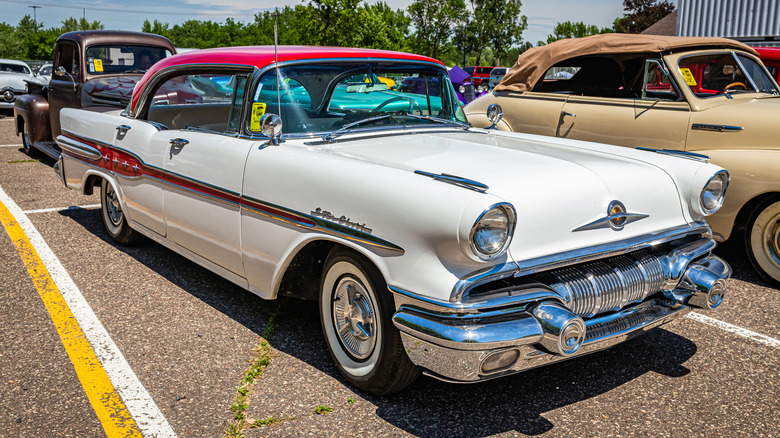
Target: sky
x,y
542,15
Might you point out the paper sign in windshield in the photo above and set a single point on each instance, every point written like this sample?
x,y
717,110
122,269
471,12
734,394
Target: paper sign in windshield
x,y
258,110
688,76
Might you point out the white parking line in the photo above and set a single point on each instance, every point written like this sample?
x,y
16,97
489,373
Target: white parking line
x,y
10,145
745,333
72,207
139,403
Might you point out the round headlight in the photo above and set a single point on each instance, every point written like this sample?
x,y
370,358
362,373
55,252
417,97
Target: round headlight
x,y
462,89
713,193
492,232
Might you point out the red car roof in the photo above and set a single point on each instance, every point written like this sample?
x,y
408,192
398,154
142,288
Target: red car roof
x,y
772,53
262,56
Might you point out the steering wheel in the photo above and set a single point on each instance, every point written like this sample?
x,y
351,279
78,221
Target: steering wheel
x,y
412,104
733,84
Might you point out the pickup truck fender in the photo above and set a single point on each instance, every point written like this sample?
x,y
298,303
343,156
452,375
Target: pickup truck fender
x,y
31,112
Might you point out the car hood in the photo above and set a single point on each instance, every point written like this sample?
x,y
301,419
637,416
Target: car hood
x,y
556,186
14,81
115,90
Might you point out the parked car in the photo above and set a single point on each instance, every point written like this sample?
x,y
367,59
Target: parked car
x,y
461,81
770,56
709,96
496,75
429,244
44,73
480,76
91,68
13,77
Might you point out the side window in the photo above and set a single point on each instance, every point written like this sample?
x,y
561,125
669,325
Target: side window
x,y
657,85
207,101
293,97
67,58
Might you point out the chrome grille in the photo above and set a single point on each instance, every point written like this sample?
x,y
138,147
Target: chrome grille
x,y
609,285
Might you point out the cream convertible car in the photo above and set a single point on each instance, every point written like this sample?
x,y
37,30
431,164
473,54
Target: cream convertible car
x,y
467,253
709,96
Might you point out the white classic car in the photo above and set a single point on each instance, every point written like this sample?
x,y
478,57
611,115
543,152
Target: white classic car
x,y
430,245
13,75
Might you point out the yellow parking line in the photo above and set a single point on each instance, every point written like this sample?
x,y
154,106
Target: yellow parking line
x,y
108,405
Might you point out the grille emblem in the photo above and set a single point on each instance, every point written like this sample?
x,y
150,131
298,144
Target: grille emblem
x,y
617,217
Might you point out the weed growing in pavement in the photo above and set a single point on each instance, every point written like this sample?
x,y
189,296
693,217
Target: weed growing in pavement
x,y
260,422
35,160
261,360
322,409
351,400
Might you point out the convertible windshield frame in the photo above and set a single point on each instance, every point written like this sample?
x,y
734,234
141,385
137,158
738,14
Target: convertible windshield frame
x,y
694,74
321,104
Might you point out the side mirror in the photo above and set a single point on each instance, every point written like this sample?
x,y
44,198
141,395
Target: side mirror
x,y
271,126
494,114
62,71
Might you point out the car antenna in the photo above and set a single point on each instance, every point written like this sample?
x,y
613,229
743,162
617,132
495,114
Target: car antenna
x,y
276,60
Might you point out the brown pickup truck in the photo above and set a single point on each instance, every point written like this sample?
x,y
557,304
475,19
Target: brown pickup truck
x,y
94,68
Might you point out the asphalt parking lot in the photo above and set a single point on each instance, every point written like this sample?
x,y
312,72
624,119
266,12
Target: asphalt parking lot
x,y
191,337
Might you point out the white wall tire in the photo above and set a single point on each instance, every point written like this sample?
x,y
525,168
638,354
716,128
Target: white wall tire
x,y
114,218
762,240
355,312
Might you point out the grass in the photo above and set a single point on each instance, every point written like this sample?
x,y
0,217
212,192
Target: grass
x,y
241,402
322,409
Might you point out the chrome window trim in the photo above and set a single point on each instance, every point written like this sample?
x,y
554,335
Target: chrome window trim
x,y
662,63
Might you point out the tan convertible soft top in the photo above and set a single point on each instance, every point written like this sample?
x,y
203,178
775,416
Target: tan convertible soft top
x,y
533,63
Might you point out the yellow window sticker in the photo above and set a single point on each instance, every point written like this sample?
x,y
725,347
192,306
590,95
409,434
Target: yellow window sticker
x,y
258,110
689,79
98,65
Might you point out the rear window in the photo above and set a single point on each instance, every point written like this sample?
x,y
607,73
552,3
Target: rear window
x,y
14,68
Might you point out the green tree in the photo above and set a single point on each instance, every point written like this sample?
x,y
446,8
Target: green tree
x,y
335,21
382,28
435,21
641,14
11,46
508,27
72,24
568,29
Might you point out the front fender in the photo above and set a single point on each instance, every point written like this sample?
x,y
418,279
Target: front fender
x,y
753,173
32,110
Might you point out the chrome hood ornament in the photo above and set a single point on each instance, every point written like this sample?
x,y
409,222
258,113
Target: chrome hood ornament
x,y
617,217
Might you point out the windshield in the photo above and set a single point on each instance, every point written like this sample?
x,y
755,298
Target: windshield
x,y
725,73
116,59
322,98
14,68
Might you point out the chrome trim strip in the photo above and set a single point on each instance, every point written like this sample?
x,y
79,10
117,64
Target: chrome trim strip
x,y
715,128
605,221
78,148
455,180
742,66
681,154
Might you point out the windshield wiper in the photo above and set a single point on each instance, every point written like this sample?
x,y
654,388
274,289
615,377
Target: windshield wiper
x,y
438,120
348,127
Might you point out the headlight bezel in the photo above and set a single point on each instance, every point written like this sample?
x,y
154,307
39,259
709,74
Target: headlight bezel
x,y
726,179
511,218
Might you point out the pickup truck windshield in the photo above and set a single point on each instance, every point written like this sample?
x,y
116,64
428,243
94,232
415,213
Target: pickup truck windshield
x,y
322,98
117,59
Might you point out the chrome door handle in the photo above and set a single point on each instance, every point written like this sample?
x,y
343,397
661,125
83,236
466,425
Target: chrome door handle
x,y
123,129
178,142
564,114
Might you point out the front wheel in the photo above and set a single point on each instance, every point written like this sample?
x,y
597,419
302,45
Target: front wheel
x,y
27,146
356,311
762,239
113,218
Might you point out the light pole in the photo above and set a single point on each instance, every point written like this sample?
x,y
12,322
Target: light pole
x,y
35,16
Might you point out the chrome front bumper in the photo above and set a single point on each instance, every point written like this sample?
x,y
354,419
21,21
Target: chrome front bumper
x,y
541,327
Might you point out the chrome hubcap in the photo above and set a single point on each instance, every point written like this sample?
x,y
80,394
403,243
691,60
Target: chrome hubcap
x,y
772,240
354,317
112,206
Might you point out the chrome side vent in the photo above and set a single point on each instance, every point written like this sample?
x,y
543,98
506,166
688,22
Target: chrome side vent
x,y
608,285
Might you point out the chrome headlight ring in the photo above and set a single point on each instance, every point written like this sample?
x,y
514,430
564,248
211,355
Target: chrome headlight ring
x,y
714,192
492,231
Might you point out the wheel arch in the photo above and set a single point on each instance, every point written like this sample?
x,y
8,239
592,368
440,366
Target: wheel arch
x,y
744,213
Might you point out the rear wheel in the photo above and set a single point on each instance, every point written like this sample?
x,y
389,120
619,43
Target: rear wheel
x,y
113,218
762,239
356,314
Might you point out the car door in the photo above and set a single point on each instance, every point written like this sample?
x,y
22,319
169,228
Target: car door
x,y
657,119
137,162
65,83
203,163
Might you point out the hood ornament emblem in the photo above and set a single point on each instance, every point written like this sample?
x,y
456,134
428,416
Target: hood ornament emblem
x,y
617,217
